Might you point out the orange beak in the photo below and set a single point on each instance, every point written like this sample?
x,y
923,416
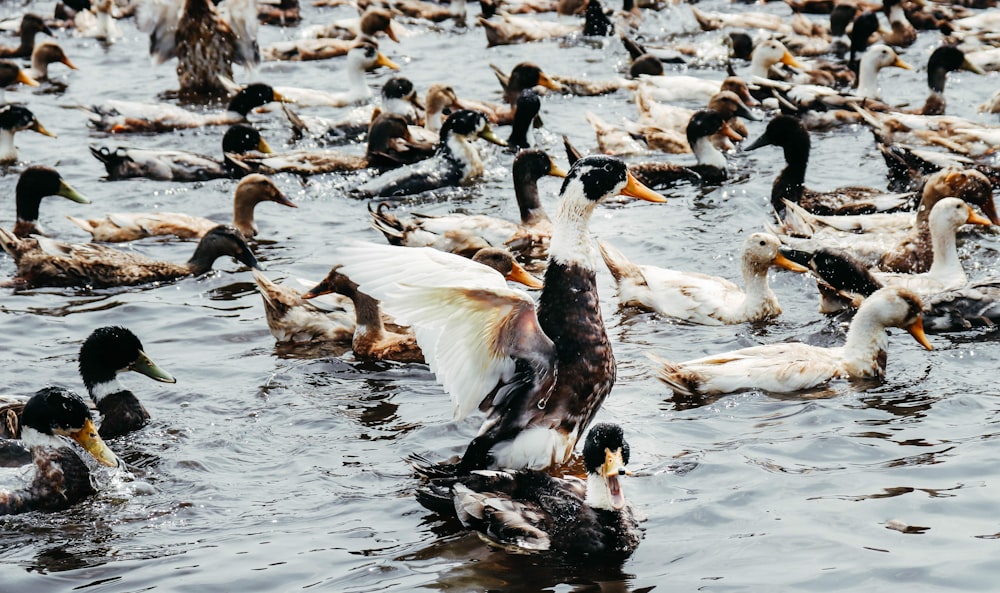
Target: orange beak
x,y
916,329
635,189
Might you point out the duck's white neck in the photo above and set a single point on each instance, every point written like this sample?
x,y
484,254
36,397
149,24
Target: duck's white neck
x,y
597,493
757,292
33,438
39,67
399,107
8,152
946,267
467,154
434,120
357,84
708,154
760,64
897,15
571,242
102,390
866,345
868,78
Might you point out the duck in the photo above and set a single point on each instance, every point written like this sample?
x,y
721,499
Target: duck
x,y
118,117
541,373
710,21
206,41
701,130
431,11
508,29
896,242
371,340
35,183
676,88
31,25
946,270
10,74
391,143
361,58
663,127
43,262
372,22
97,22
440,102
966,307
700,298
789,133
44,54
465,234
15,118
250,191
902,33
533,512
123,162
909,165
283,13
61,477
794,366
523,76
943,60
456,161
525,115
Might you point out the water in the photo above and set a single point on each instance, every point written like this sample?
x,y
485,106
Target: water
x,y
267,470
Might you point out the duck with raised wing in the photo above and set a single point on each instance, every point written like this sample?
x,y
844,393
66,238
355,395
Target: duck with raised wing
x,y
43,262
124,226
540,374
531,511
793,366
61,478
700,298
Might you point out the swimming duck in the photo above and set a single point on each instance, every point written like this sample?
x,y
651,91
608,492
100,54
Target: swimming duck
x,y
966,307
391,143
45,54
455,162
789,133
361,58
943,60
14,118
206,40
710,21
531,511
31,25
700,298
793,366
431,11
690,88
282,13
539,377
711,166
508,29
124,162
107,352
465,234
663,127
902,34
10,74
372,22
61,478
35,183
44,262
371,340
295,321
129,116
125,226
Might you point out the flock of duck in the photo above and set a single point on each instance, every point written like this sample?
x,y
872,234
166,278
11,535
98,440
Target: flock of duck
x,y
538,368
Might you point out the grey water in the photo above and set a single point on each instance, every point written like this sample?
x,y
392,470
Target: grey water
x,y
275,469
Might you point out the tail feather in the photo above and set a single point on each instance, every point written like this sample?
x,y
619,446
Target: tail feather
x,y
387,224
681,380
10,243
82,223
617,263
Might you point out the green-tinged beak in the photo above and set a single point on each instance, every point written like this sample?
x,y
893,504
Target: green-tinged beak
x,y
145,366
967,65
67,191
488,135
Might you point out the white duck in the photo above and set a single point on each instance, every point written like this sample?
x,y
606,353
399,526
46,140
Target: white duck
x,y
793,366
700,298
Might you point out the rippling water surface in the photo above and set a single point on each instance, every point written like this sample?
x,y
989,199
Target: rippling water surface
x,y
266,469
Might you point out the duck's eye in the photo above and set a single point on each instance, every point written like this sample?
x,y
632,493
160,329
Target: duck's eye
x,y
762,242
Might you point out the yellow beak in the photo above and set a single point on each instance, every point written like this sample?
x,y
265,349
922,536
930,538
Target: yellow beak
x,y
91,441
635,189
519,274
784,262
916,329
555,170
381,60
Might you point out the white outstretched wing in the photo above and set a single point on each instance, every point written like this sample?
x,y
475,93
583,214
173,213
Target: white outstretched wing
x,y
471,327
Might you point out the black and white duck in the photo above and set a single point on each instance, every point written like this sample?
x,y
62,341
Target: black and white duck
x,y
43,262
531,511
15,118
538,373
61,478
456,161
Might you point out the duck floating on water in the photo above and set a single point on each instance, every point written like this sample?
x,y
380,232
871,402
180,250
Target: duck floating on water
x,y
61,478
15,118
531,511
540,374
43,262
35,183
31,25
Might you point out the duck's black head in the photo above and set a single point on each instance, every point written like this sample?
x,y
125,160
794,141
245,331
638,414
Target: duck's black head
x,y
335,281
466,122
603,437
646,64
741,46
943,60
601,176
54,411
32,24
595,22
254,95
702,124
242,138
788,133
841,16
11,73
110,350
39,181
533,163
16,118
224,239
527,75
864,27
398,87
